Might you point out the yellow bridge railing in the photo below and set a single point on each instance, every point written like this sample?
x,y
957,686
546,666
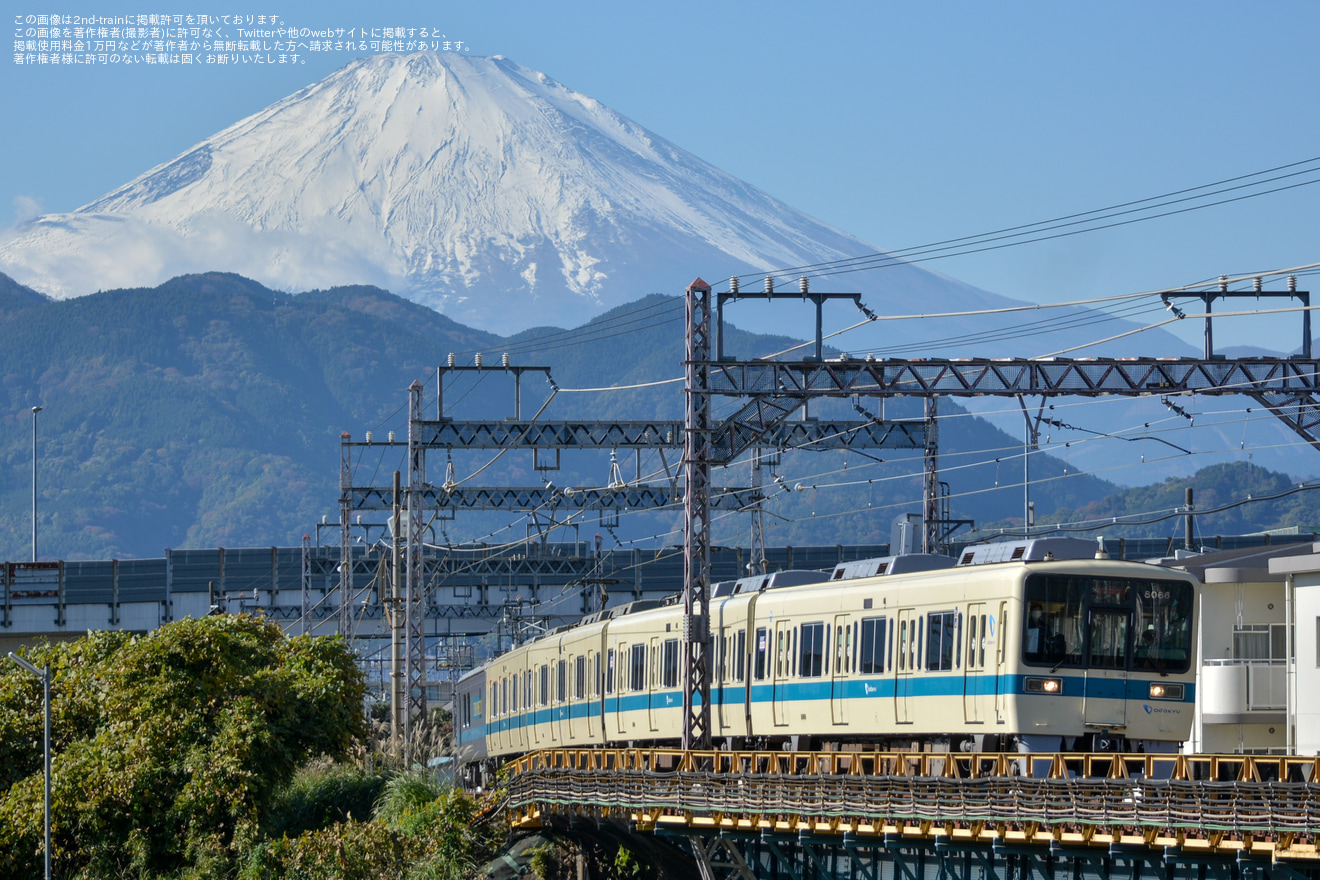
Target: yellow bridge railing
x,y
1261,805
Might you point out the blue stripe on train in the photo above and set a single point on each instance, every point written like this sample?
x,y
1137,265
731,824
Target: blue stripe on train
x,y
853,690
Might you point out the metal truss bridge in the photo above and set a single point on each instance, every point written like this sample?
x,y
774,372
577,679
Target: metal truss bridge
x,y
936,816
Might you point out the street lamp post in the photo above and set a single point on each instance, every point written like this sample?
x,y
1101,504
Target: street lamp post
x,y
35,410
44,675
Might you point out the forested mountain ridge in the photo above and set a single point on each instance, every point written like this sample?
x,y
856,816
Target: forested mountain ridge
x,y
208,412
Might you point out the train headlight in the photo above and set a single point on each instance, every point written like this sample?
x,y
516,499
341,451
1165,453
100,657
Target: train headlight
x,y
1044,685
1159,691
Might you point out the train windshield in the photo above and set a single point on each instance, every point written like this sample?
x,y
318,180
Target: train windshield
x,y
1107,623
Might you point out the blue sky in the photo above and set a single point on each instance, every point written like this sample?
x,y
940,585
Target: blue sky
x,y
901,123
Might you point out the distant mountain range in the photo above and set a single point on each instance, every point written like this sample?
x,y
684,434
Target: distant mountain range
x,y
503,199
207,412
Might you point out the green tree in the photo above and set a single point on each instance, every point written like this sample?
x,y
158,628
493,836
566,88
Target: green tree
x,y
168,748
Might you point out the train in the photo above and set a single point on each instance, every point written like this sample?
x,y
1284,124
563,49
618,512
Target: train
x,y
1036,645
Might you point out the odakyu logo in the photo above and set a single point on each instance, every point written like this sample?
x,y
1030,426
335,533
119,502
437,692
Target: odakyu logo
x,y
1160,710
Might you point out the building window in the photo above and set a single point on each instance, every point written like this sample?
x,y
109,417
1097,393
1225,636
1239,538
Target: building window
x,y
1260,641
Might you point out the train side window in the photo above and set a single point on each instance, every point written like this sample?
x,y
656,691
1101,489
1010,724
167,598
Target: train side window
x,y
561,684
812,656
721,659
609,671
917,633
971,641
545,685
857,645
669,669
504,696
792,652
902,644
758,668
780,638
740,655
983,641
595,674
825,649
941,632
513,697
580,676
872,646
637,668
892,643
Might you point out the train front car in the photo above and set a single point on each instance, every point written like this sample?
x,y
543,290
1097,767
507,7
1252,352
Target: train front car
x,y
1098,653
1029,646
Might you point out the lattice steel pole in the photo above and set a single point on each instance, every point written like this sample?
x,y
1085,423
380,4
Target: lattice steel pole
x,y
306,584
345,535
756,565
930,539
396,616
414,634
697,455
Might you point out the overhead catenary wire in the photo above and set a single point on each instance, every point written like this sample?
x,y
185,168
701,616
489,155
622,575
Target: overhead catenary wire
x,y
617,326
1031,233
608,327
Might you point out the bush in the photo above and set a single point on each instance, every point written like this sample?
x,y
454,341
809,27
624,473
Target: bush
x,y
320,795
168,748
423,830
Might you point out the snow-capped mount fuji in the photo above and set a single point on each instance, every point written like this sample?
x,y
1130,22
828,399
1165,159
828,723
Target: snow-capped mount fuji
x,y
474,185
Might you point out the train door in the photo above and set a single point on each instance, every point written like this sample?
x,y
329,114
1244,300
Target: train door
x,y
1105,702
593,693
573,696
975,686
541,715
505,722
997,643
616,682
780,673
559,708
654,701
904,680
839,668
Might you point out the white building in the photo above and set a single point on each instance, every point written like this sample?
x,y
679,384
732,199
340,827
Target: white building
x,y
1302,596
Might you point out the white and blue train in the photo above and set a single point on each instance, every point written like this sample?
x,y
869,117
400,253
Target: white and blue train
x,y
1041,645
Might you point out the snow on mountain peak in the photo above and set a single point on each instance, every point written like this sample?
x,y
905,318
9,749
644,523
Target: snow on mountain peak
x,y
472,184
